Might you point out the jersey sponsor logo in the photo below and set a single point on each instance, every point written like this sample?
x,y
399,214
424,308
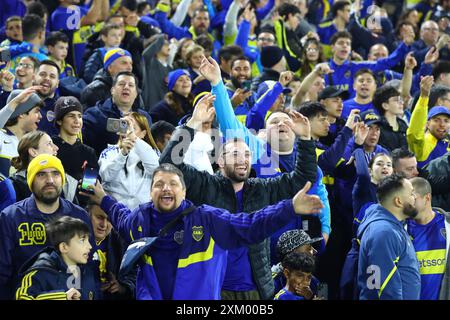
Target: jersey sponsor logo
x,y
197,233
32,235
431,261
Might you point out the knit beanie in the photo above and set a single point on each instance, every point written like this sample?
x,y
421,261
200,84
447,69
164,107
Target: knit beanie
x,y
41,162
66,104
174,76
112,55
270,56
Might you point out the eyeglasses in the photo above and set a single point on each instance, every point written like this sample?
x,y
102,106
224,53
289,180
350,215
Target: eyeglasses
x,y
26,65
312,49
397,99
266,39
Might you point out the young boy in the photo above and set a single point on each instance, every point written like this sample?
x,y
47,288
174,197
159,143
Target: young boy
x,y
25,72
58,46
297,268
111,35
13,30
58,272
71,151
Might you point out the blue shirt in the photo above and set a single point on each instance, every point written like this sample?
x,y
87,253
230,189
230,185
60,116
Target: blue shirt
x,y
429,241
351,104
67,19
239,272
166,250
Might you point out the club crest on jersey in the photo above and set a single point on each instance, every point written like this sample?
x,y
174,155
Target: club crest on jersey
x,y
347,74
178,237
197,233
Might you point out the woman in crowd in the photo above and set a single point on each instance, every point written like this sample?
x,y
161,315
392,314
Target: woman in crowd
x,y
126,168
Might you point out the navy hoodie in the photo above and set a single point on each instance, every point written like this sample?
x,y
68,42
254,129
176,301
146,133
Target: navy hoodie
x,y
45,277
388,267
22,230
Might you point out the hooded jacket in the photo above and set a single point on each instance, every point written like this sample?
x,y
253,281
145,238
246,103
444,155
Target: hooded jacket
x,y
22,228
388,267
45,277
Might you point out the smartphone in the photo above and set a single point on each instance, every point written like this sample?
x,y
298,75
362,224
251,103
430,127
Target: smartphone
x,y
5,55
90,176
116,125
357,118
246,85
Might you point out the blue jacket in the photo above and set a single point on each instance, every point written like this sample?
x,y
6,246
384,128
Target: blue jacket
x,y
45,277
22,228
47,123
386,248
208,233
94,124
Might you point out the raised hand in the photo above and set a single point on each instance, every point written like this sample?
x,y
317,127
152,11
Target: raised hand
x,y
351,123
323,69
7,78
204,112
239,96
23,96
285,78
306,204
361,132
432,55
300,125
410,61
425,85
98,195
210,70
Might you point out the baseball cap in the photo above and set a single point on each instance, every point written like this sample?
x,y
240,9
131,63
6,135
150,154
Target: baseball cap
x,y
292,239
435,111
331,92
23,107
370,117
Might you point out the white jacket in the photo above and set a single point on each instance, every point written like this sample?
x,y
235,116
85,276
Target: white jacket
x,y
131,188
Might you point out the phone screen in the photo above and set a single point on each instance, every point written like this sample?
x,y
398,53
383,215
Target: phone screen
x,y
89,178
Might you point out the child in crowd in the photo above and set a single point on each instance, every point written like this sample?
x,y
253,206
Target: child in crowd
x,y
58,46
297,268
60,272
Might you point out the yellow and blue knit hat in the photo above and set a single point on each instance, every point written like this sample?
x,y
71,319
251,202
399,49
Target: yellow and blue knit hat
x,y
41,162
112,55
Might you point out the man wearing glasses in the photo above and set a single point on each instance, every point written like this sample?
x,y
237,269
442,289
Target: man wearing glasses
x,y
25,72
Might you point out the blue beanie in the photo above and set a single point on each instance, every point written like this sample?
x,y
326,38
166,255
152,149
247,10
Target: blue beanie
x,y
174,75
112,55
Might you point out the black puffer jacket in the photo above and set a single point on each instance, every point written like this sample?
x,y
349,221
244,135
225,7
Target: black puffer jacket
x,y
216,190
437,172
391,139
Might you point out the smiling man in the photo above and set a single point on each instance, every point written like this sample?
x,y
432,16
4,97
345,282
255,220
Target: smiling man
x,y
47,77
22,225
123,96
167,270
